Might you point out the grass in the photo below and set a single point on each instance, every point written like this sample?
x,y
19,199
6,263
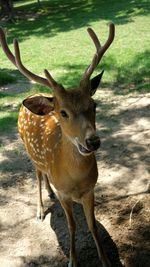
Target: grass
x,y
53,36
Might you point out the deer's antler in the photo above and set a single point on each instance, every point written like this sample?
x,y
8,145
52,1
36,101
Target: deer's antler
x,y
50,82
16,60
100,50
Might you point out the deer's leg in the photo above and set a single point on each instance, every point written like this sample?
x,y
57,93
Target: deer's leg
x,y
88,206
48,187
40,208
67,206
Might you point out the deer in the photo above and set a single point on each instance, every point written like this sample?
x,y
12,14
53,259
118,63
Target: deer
x,y
59,134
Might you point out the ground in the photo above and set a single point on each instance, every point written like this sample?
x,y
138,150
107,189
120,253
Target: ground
x,y
121,195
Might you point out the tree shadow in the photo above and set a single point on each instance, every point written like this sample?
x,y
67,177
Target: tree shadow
x,y
63,15
137,234
139,256
14,161
85,246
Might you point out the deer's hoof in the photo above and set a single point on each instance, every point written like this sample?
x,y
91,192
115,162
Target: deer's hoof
x,y
72,264
52,196
40,216
107,263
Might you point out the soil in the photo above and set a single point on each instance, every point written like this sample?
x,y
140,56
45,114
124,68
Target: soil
x,y
121,195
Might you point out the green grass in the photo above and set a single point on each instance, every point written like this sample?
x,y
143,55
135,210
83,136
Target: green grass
x,y
53,36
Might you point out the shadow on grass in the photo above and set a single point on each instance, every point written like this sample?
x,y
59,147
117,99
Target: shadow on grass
x,y
9,122
129,77
7,77
63,15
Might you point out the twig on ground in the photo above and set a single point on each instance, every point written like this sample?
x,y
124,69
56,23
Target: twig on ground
x,y
132,210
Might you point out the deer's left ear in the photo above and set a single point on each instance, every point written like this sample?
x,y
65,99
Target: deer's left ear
x,y
95,83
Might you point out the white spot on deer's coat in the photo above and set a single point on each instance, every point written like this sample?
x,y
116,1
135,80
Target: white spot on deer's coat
x,y
54,118
55,146
49,149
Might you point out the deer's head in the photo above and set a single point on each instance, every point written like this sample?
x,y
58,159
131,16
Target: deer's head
x,y
75,108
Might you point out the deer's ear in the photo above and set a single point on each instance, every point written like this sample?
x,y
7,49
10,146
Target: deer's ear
x,y
95,83
39,105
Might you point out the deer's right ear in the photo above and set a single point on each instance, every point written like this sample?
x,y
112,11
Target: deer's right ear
x,y
95,83
39,105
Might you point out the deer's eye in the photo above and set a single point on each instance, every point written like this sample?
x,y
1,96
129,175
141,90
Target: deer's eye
x,y
64,114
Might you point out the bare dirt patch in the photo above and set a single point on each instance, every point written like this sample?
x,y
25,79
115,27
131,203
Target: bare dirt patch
x,y
121,204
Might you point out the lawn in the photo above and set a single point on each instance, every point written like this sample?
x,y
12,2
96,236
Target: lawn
x,y
53,36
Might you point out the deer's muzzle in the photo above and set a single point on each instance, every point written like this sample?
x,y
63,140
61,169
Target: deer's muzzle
x,y
93,143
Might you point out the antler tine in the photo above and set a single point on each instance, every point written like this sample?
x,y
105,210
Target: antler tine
x,y
108,42
58,88
16,60
5,47
100,50
94,38
30,75
50,79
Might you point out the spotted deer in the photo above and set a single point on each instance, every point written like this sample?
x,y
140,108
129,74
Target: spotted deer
x,y
59,134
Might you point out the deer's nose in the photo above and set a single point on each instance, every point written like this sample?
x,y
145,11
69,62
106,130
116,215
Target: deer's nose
x,y
93,142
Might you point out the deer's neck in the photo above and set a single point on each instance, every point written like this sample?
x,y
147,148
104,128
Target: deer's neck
x,y
73,169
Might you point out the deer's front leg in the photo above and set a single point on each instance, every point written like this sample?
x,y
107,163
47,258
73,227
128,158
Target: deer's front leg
x,y
88,206
40,208
67,206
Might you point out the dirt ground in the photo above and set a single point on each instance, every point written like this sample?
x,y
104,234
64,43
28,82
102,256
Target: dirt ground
x,y
121,195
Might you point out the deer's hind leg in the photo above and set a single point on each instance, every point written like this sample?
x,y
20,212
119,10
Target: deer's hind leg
x,y
48,187
40,207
